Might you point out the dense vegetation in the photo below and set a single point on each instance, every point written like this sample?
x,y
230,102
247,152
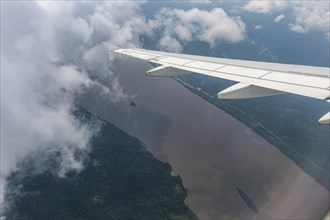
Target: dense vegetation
x,y
121,180
288,122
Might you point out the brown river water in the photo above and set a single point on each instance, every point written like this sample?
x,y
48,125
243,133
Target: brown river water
x,y
212,152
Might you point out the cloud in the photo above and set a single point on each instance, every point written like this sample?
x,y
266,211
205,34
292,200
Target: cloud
x,y
265,7
279,18
201,1
258,27
168,43
307,15
181,26
298,28
51,55
312,16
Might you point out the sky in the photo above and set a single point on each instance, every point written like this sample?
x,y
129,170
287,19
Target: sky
x,y
52,54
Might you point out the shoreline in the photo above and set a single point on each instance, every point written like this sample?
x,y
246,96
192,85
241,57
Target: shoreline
x,y
316,172
211,151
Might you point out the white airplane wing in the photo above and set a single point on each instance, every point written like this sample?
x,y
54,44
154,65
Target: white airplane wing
x,y
255,79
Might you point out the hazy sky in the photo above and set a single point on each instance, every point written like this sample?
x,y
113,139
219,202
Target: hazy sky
x,y
52,53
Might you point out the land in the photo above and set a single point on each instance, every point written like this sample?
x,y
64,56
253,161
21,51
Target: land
x,y
287,122
211,151
120,180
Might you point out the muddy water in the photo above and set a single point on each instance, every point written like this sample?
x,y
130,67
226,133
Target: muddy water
x,y
211,151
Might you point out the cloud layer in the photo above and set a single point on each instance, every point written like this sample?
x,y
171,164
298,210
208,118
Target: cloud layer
x,y
307,15
311,16
265,7
51,54
178,27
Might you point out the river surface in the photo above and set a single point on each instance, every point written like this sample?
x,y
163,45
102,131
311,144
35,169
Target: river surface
x,y
212,152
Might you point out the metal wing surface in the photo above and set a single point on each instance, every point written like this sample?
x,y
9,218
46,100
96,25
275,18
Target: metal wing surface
x,y
256,79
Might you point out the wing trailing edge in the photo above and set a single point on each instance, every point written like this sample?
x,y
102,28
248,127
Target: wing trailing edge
x,y
255,79
245,91
165,71
325,120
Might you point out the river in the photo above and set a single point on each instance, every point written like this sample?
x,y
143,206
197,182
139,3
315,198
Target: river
x,y
212,151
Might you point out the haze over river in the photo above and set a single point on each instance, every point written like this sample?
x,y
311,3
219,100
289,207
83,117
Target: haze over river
x,y
211,151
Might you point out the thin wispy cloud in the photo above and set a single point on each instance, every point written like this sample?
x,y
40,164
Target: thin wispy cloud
x,y
279,18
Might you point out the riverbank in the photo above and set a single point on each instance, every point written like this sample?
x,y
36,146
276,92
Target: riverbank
x,y
317,171
212,152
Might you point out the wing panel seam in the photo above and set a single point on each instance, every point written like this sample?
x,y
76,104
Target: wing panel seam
x,y
265,74
292,72
269,80
192,60
261,79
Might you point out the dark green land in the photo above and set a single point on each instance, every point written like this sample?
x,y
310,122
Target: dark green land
x,y
288,122
121,180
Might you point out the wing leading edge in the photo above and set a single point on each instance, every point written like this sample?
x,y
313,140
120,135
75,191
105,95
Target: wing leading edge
x,y
256,79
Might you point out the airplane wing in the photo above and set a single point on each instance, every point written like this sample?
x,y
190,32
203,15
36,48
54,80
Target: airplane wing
x,y
255,79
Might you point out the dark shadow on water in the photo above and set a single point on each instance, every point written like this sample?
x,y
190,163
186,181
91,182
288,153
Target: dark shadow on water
x,y
248,201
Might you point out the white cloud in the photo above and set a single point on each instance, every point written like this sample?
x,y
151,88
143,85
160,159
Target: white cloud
x,y
181,26
312,16
307,15
201,1
258,27
298,28
279,18
265,7
183,33
258,6
51,54
168,43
